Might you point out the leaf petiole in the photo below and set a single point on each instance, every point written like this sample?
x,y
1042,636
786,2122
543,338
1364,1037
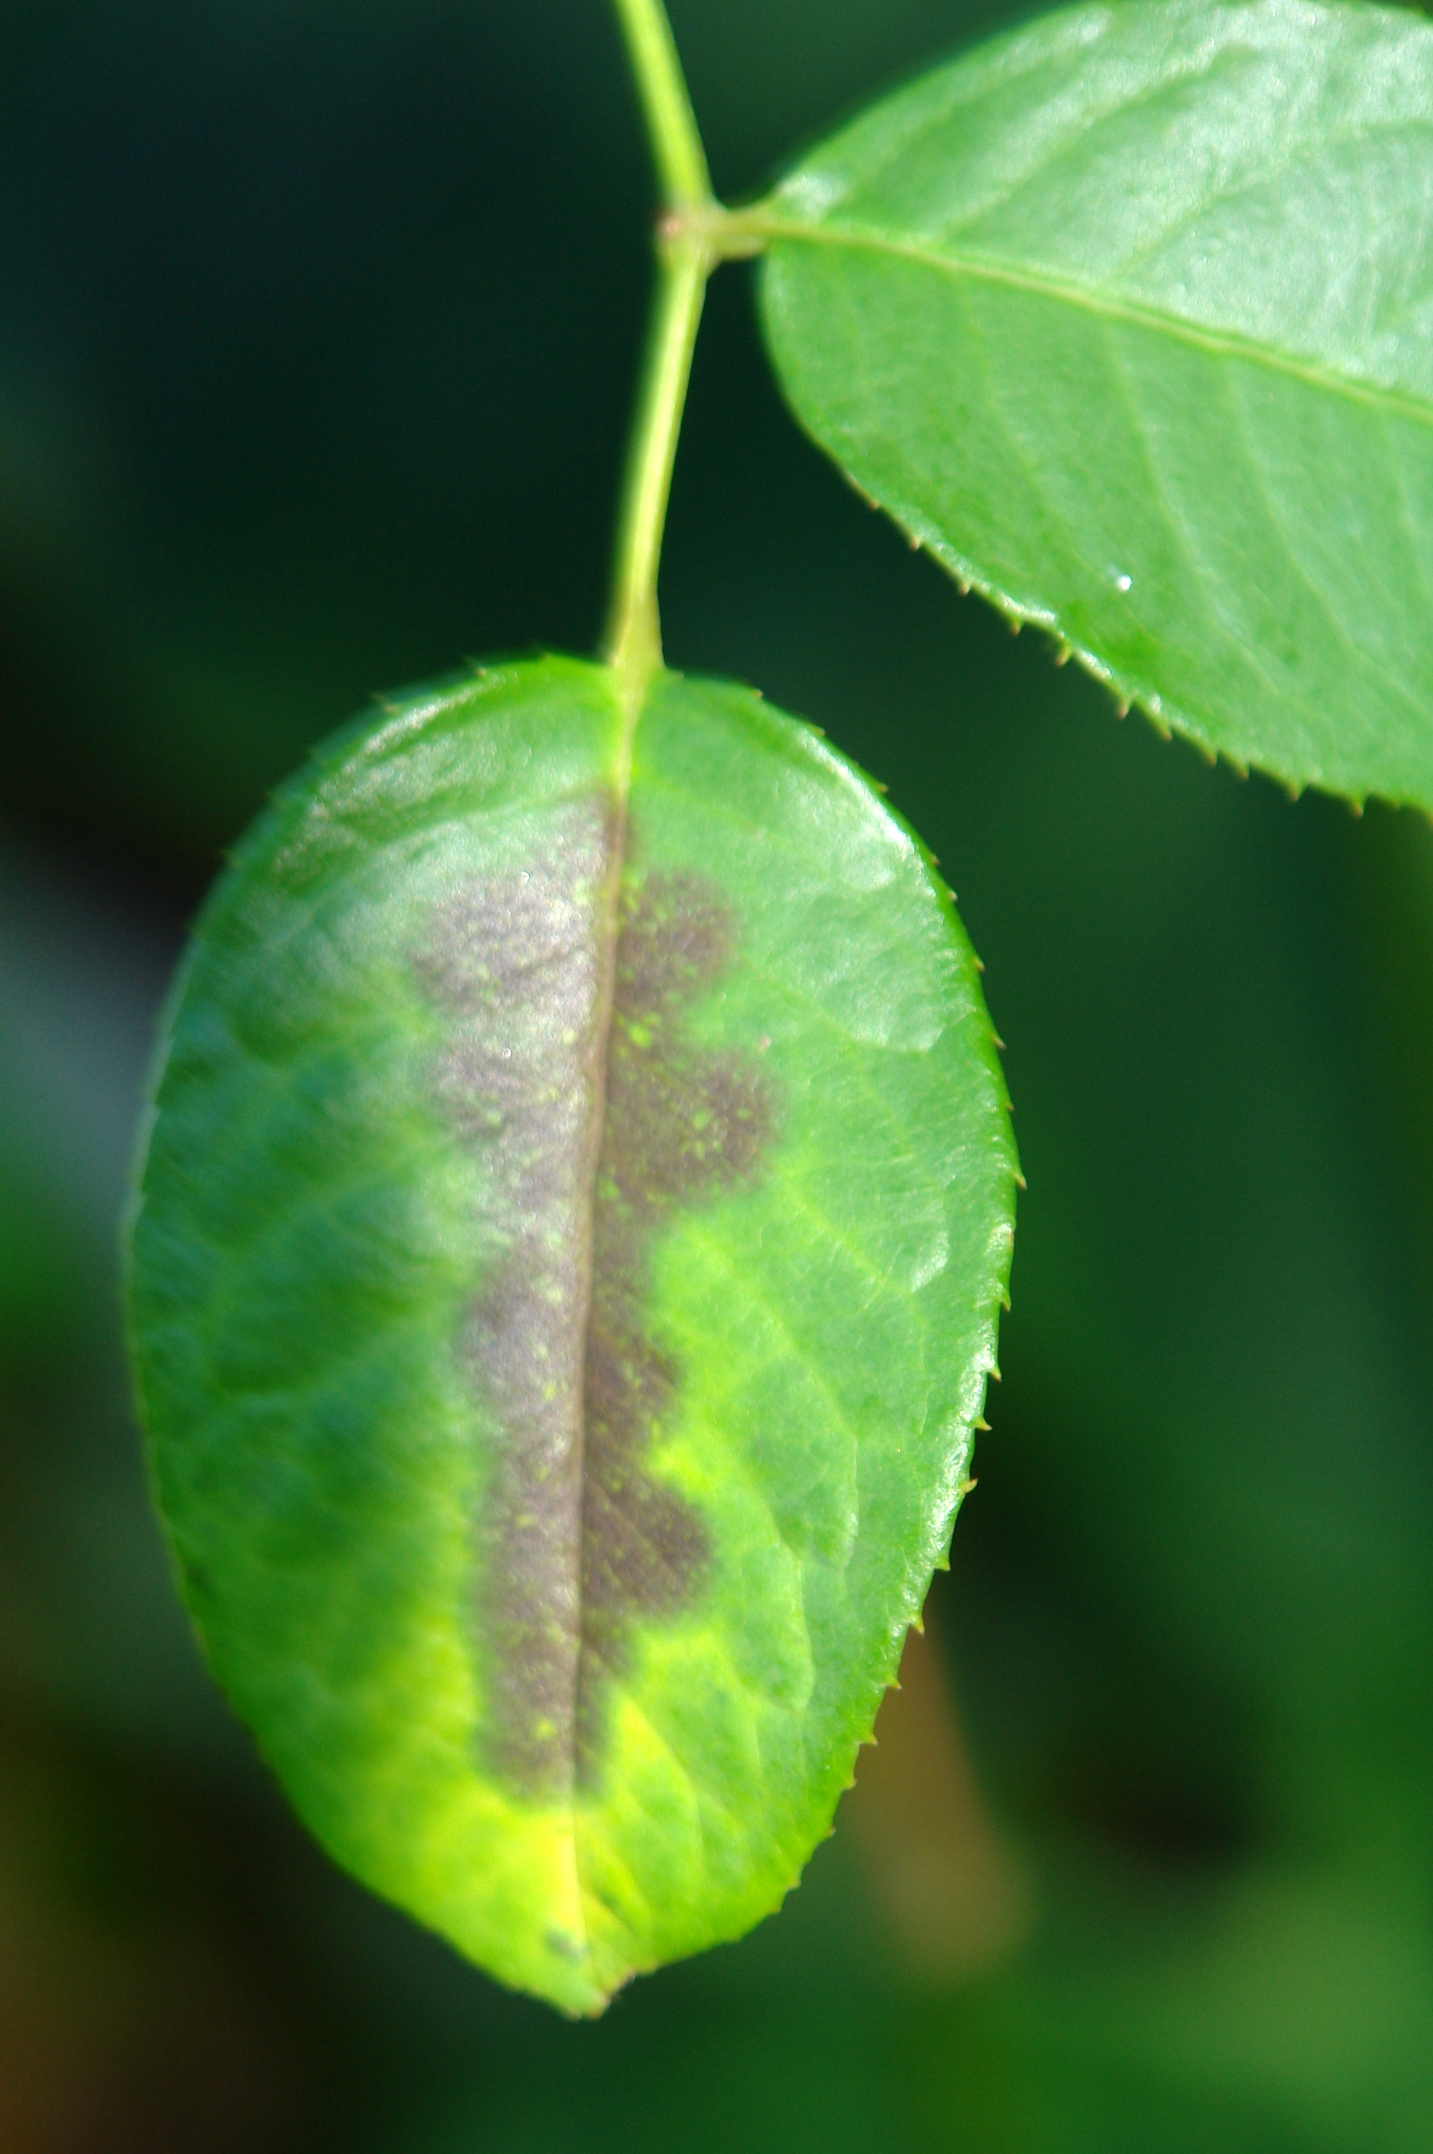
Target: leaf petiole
x,y
633,644
695,234
686,256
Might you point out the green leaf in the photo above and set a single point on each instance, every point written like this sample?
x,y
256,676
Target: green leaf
x,y
1128,317
564,1281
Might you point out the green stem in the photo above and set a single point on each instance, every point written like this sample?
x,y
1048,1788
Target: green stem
x,y
686,256
634,638
671,123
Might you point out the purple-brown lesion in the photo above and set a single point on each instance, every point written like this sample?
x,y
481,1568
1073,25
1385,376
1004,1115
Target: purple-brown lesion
x,y
681,1123
579,1544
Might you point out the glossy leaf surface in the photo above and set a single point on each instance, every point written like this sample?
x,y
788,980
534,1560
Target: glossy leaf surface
x,y
1128,317
564,1280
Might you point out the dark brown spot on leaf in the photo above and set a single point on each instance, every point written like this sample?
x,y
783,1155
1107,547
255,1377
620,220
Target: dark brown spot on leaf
x,y
514,961
578,1543
681,1123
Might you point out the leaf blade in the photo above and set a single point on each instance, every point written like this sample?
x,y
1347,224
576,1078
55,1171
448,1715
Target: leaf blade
x,y
1117,317
791,1315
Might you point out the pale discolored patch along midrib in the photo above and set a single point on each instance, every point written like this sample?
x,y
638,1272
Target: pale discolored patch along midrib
x,y
577,1541
516,961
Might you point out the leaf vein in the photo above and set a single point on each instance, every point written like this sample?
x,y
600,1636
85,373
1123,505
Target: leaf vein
x,y
1045,284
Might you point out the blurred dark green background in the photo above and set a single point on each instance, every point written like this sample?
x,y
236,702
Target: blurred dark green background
x,y
317,333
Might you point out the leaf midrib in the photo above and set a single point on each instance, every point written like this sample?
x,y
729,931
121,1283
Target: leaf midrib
x,y
631,692
1046,284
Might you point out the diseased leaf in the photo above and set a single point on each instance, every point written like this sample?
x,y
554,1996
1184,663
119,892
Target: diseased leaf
x,y
1128,316
564,1280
